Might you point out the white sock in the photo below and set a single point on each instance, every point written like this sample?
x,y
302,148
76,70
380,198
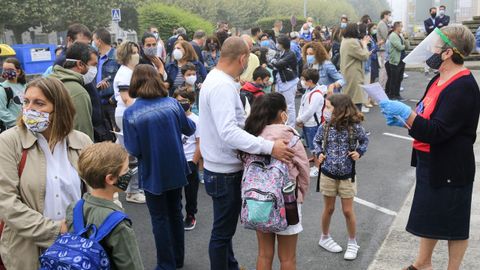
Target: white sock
x,y
352,241
325,237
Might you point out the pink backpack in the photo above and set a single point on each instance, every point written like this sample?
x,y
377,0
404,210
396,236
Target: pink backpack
x,y
263,206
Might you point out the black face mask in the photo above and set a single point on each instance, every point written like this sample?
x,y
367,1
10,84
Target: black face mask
x,y
435,61
185,105
433,15
124,180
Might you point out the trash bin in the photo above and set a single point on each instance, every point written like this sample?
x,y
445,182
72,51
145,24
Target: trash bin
x,y
35,58
5,52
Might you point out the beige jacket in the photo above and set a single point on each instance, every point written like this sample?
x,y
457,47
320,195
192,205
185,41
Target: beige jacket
x,y
352,55
27,232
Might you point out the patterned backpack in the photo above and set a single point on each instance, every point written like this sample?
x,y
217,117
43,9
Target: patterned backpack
x,y
76,251
263,206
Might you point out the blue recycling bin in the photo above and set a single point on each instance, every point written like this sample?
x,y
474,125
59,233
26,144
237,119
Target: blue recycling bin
x,y
35,58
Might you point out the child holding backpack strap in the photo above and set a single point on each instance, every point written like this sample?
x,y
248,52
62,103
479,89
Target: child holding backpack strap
x,y
268,119
339,143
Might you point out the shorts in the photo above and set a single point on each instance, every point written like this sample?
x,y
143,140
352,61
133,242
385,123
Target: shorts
x,y
309,135
330,187
294,229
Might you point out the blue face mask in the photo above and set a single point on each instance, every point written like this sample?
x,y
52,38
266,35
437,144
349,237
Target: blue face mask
x,y
343,25
265,43
310,59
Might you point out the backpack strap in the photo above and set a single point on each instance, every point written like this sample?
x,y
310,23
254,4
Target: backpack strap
x,y
326,130
21,165
352,145
78,223
9,94
109,224
315,114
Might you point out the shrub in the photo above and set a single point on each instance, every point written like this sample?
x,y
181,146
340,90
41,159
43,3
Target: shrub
x,y
167,17
267,23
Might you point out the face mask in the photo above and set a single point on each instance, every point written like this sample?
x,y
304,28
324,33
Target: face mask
x,y
9,74
279,47
304,84
212,46
441,12
91,74
135,59
150,51
265,43
374,31
185,105
155,34
36,121
124,180
435,61
343,25
327,115
310,24
190,80
433,15
310,59
390,20
286,119
177,54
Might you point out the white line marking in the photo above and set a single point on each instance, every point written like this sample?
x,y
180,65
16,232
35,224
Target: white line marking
x,y
399,136
376,207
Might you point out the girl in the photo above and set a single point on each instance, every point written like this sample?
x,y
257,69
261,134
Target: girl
x,y
339,142
268,119
11,93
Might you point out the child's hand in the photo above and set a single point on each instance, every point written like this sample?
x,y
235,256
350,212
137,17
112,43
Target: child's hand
x,y
354,155
300,124
63,227
321,159
330,90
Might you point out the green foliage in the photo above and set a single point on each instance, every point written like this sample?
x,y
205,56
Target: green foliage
x,y
167,17
267,23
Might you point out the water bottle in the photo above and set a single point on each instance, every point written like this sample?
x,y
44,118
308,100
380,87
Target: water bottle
x,y
290,201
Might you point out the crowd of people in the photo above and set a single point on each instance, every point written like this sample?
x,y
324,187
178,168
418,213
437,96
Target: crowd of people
x,y
154,119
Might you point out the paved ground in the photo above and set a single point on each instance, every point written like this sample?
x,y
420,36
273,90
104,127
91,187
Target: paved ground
x,y
384,178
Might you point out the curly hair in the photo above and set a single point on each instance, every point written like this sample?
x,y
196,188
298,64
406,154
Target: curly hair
x,y
321,53
345,113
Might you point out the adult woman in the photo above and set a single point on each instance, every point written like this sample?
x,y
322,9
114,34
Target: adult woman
x,y
373,48
353,52
162,166
12,93
183,53
38,179
444,127
211,52
315,56
148,54
286,77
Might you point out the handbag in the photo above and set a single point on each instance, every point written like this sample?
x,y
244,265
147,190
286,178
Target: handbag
x,y
21,166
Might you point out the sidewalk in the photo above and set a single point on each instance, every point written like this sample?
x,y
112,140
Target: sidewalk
x,y
400,247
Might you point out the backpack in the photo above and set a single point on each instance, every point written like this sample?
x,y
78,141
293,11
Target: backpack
x,y
315,116
263,205
10,96
76,251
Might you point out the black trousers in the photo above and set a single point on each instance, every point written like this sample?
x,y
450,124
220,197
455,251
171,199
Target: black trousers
x,y
395,79
191,190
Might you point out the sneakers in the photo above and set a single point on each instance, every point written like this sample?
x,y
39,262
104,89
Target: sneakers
x,y
189,223
313,172
351,253
330,245
135,197
365,109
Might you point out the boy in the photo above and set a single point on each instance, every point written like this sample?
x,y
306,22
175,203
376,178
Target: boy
x,y
189,73
311,110
191,147
104,167
251,90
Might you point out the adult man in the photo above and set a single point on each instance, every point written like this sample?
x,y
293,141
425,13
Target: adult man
x,y
161,52
306,32
256,34
432,22
221,120
198,42
382,36
277,28
343,21
295,47
106,70
253,62
443,20
72,75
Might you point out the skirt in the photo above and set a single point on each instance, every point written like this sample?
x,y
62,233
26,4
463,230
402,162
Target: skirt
x,y
439,213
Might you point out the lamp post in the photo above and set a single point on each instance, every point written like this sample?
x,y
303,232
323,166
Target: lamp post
x,y
305,8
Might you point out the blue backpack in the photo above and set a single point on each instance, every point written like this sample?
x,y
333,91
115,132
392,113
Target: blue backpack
x,y
76,251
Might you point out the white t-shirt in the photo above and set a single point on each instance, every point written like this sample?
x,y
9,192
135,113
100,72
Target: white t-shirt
x,y
190,142
121,81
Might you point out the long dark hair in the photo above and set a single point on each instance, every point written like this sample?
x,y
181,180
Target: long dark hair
x,y
264,111
345,113
21,76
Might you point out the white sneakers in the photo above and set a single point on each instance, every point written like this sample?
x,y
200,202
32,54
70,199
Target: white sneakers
x,y
331,246
313,171
135,197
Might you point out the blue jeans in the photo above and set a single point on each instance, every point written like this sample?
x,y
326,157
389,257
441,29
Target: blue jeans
x,y
225,192
309,135
167,224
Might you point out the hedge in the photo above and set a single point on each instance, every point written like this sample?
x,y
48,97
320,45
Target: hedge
x,y
267,23
166,17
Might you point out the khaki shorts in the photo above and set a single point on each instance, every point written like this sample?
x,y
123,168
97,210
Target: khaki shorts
x,y
330,187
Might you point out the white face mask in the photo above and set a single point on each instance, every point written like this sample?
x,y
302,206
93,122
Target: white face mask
x,y
441,12
190,80
327,114
304,84
177,54
90,75
135,59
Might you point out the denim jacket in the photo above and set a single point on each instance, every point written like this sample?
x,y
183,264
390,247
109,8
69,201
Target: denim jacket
x,y
210,62
338,165
477,38
109,68
328,74
153,131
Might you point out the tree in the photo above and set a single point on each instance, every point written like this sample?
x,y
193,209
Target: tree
x,y
370,7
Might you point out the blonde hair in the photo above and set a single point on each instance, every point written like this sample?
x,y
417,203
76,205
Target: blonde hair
x,y
99,160
125,51
61,119
462,38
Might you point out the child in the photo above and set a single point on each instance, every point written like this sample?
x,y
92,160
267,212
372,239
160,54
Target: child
x,y
189,73
252,90
337,148
267,119
191,147
310,112
104,167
